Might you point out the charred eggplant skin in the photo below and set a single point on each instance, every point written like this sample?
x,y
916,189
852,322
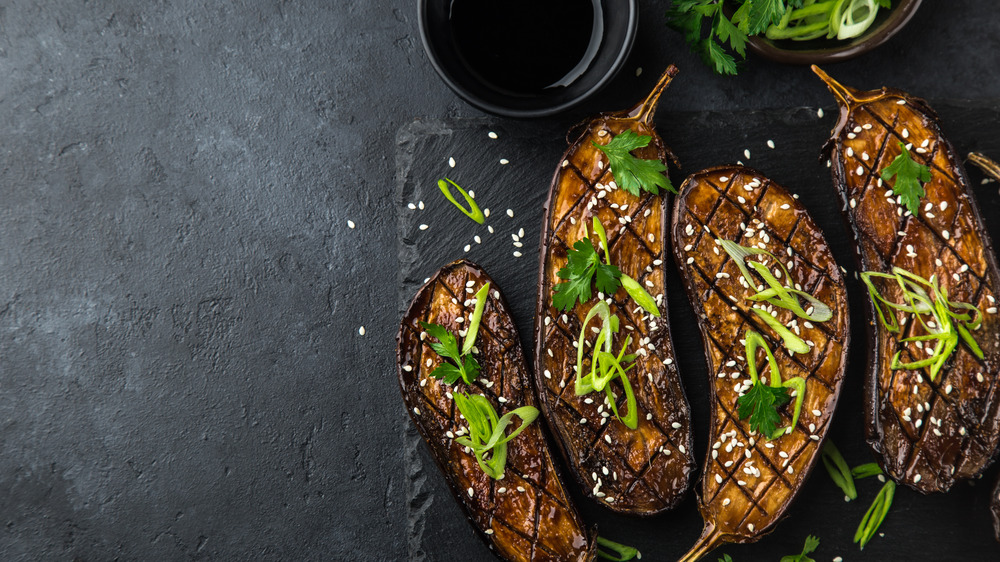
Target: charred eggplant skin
x,y
927,434
749,481
526,516
646,470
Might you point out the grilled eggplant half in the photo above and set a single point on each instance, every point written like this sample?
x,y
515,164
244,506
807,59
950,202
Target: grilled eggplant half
x,y
930,424
728,214
527,514
639,471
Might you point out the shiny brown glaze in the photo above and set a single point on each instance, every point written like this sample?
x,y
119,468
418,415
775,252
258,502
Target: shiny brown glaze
x,y
995,509
645,470
736,203
928,434
527,515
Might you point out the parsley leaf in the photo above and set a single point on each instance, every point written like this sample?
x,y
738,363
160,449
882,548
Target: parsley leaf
x,y
764,13
633,173
812,543
910,177
761,404
580,270
463,364
726,558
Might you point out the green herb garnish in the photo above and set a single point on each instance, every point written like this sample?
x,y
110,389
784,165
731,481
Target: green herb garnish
x,y
726,558
866,470
762,401
584,265
839,472
463,364
875,515
776,293
473,212
631,173
812,543
610,550
779,294
799,20
910,177
486,430
605,366
951,321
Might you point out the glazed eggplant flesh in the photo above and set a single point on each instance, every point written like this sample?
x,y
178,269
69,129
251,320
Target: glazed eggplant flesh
x,y
639,471
749,479
928,431
527,514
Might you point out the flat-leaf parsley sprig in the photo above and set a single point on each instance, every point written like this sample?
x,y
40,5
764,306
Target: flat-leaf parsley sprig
x,y
910,179
584,265
810,546
762,401
463,366
631,173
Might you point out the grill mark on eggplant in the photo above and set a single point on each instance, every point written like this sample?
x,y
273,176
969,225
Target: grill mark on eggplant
x,y
653,463
969,414
562,534
708,201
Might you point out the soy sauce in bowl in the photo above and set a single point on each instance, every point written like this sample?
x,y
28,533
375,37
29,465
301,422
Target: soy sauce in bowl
x,y
527,58
527,46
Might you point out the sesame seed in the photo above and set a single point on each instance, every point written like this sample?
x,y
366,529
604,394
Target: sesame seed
x,y
857,129
492,135
850,152
681,449
504,161
746,152
770,143
607,438
565,163
906,133
517,254
785,206
675,425
819,113
361,330
423,227
726,502
817,413
750,527
861,170
722,275
718,479
946,234
916,479
741,482
467,247
510,213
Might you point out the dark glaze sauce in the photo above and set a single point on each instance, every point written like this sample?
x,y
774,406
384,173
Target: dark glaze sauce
x,y
527,46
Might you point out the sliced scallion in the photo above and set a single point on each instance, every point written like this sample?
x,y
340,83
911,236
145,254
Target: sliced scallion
x,y
473,212
486,431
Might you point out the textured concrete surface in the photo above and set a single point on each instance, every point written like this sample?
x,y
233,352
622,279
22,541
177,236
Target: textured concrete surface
x,y
181,370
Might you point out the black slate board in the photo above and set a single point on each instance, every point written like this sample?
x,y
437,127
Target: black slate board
x,y
939,527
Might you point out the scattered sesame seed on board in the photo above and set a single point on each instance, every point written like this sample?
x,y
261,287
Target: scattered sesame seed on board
x,y
510,213
361,331
770,143
420,205
504,161
423,227
492,135
746,153
819,113
451,162
350,224
638,71
411,206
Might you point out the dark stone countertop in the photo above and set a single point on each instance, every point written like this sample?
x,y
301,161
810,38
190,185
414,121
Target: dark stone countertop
x,y
181,370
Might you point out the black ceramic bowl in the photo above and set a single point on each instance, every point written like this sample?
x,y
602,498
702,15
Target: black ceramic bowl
x,y
620,19
818,51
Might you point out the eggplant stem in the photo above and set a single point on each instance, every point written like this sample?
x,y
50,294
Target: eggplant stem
x,y
988,166
645,110
710,538
846,95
